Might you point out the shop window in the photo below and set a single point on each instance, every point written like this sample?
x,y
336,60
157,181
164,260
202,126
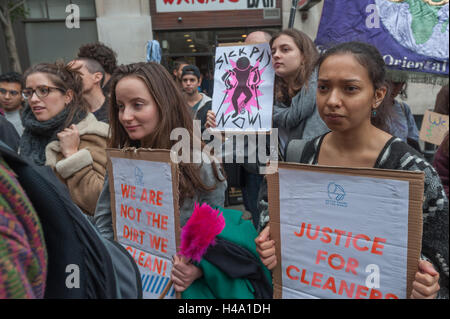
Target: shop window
x,y
48,38
50,41
56,9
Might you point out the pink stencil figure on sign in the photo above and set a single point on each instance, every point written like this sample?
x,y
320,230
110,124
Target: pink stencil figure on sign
x,y
242,86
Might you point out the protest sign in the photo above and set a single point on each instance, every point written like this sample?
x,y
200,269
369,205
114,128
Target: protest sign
x,y
345,233
243,88
144,201
434,127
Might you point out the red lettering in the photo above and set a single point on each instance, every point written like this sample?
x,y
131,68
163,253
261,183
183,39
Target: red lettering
x,y
126,231
319,256
141,259
376,245
341,259
316,280
308,232
391,296
302,229
351,265
375,294
144,195
330,284
338,237
158,243
159,198
355,242
324,230
302,280
288,272
348,291
152,197
125,190
361,291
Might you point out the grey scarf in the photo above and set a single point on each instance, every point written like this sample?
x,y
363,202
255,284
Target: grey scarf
x,y
37,135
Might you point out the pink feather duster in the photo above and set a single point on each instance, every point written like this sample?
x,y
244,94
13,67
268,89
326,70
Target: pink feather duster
x,y
200,231
198,234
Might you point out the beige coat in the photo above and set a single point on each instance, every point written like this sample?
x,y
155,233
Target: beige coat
x,y
84,171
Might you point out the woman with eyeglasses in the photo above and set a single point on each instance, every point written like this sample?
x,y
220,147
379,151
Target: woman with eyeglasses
x,y
60,131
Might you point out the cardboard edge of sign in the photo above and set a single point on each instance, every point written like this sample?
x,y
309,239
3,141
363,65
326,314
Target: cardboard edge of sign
x,y
152,155
416,190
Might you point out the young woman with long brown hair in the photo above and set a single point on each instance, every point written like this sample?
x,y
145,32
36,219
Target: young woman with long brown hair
x,y
146,106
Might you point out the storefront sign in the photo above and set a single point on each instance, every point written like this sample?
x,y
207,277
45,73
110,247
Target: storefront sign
x,y
212,5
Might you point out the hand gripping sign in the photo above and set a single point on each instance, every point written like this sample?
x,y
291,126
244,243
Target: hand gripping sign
x,y
345,233
144,201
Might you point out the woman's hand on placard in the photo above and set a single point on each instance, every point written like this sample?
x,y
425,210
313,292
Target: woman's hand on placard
x,y
266,248
426,282
210,119
69,140
184,273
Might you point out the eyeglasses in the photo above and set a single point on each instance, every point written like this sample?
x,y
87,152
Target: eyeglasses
x,y
11,92
41,91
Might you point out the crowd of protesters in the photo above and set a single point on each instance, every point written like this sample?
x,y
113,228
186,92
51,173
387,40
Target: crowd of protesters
x,y
341,104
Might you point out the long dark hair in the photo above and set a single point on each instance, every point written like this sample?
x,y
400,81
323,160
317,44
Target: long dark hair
x,y
284,91
173,113
66,78
370,58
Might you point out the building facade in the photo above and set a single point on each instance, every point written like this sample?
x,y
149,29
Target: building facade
x,y
188,29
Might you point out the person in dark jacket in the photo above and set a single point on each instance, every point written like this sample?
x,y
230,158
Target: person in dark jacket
x,y
8,134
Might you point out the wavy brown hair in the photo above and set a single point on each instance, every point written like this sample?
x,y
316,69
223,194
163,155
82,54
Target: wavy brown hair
x,y
284,91
66,78
173,113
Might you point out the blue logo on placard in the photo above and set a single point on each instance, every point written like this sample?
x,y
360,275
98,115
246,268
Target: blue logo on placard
x,y
336,194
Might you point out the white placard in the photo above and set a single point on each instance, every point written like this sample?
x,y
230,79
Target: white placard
x,y
144,222
343,236
243,88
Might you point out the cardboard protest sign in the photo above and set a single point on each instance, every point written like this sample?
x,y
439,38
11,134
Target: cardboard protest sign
x,y
243,87
345,233
434,127
144,202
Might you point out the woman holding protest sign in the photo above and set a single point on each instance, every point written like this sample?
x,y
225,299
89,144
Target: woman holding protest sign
x,y
61,133
146,106
350,100
295,114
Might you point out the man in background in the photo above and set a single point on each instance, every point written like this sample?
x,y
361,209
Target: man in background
x,y
11,100
178,66
200,103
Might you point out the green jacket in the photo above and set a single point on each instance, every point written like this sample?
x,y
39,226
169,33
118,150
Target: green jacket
x,y
215,283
